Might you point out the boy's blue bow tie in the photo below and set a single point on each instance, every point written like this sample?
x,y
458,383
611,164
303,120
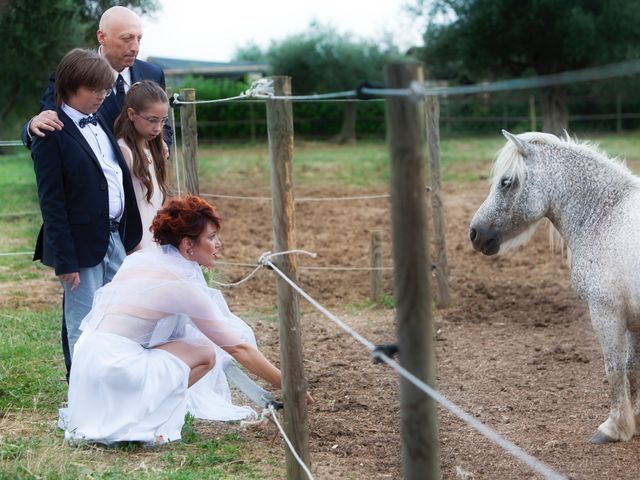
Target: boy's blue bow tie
x,y
93,119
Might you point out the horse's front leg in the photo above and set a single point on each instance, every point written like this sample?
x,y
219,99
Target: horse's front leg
x,y
633,371
612,334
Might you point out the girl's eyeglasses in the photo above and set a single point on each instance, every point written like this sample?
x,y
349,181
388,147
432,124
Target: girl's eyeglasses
x,y
154,120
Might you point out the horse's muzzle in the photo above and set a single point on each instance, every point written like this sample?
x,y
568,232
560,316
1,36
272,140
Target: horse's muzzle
x,y
485,240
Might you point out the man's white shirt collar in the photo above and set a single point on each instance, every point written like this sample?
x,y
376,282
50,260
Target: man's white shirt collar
x,y
126,74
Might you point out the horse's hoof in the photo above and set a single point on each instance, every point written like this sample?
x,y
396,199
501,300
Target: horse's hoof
x,y
599,438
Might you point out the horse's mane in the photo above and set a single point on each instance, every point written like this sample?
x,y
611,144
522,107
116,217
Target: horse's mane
x,y
510,163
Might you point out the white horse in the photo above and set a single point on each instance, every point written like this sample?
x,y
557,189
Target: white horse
x,y
594,203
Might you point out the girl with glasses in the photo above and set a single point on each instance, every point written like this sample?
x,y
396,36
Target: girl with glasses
x,y
138,129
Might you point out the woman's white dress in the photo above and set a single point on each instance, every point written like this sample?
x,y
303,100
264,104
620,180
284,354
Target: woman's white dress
x,y
209,398
123,389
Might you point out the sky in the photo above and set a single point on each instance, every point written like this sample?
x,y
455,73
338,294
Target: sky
x,y
213,29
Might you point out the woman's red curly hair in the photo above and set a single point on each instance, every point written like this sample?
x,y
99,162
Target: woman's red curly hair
x,y
182,217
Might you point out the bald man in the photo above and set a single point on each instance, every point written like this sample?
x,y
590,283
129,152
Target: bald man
x,y
119,35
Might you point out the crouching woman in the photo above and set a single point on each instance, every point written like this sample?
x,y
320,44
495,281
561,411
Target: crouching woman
x,y
133,363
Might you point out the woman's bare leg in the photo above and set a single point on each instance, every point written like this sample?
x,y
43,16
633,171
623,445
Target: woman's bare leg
x,y
200,357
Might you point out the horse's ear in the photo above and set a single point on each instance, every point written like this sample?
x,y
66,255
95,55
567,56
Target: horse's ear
x,y
520,144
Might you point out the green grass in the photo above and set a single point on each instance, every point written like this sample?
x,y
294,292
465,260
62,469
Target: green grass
x,y
31,371
19,217
323,164
39,457
315,163
32,388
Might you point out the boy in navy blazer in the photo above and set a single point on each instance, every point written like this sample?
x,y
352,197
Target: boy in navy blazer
x,y
89,211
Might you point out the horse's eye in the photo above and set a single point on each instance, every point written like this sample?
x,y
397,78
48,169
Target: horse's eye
x,y
506,183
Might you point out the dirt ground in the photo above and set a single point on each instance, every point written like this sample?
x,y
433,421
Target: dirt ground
x,y
515,349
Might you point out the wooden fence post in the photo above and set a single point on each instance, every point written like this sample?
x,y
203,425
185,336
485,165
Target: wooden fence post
x,y
412,268
189,130
376,263
294,385
441,264
173,158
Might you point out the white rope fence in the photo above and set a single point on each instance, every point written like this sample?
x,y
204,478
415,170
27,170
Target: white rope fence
x,y
239,282
533,463
271,412
262,89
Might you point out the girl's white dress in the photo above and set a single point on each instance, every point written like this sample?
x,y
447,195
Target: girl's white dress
x,y
147,208
123,389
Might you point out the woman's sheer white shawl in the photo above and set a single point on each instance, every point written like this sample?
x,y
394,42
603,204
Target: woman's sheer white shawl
x,y
155,295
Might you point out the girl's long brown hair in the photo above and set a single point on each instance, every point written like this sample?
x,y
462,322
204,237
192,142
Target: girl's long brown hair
x,y
139,97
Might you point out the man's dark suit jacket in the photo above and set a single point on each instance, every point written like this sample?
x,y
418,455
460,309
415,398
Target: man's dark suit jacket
x,y
74,200
110,108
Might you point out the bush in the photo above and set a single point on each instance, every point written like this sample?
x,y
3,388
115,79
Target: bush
x,y
247,119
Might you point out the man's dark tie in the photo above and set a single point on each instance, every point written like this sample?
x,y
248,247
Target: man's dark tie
x,y
120,90
93,119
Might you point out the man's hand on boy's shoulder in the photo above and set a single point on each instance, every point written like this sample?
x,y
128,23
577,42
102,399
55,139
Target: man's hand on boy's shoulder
x,y
45,122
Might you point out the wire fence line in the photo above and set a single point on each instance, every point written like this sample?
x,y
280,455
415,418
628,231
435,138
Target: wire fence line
x,y
262,89
311,267
305,199
256,267
532,462
301,199
19,214
11,143
15,254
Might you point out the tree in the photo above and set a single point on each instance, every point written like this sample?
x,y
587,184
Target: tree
x,y
480,40
250,53
35,37
321,60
